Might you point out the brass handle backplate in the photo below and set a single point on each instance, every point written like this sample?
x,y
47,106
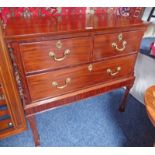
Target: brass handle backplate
x,y
124,43
55,84
52,55
110,72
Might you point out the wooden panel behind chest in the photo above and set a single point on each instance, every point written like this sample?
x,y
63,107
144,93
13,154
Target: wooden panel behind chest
x,y
12,120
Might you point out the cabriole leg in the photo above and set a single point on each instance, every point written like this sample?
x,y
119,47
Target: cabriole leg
x,y
125,99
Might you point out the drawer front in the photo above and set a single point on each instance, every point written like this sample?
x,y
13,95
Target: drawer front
x,y
54,54
5,118
116,44
63,81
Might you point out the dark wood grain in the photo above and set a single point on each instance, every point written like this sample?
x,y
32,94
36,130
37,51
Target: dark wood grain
x,y
4,112
40,85
47,104
33,126
4,124
36,57
11,95
0,89
90,39
103,44
125,98
19,27
2,102
149,98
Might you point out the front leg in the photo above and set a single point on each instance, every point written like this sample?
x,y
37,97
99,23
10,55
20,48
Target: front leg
x,y
125,99
34,129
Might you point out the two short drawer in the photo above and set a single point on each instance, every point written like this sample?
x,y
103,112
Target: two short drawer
x,y
55,83
54,54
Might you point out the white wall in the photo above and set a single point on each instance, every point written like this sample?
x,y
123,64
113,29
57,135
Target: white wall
x,y
151,29
145,66
146,13
145,76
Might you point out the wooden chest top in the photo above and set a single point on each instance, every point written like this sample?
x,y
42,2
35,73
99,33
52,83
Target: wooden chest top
x,y
19,27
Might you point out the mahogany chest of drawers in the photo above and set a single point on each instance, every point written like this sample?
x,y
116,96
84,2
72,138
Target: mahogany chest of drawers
x,y
67,58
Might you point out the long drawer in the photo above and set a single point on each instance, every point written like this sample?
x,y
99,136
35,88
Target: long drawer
x,y
115,44
44,55
55,83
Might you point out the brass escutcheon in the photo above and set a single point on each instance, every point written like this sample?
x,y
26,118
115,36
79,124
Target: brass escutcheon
x,y
120,37
90,67
58,44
